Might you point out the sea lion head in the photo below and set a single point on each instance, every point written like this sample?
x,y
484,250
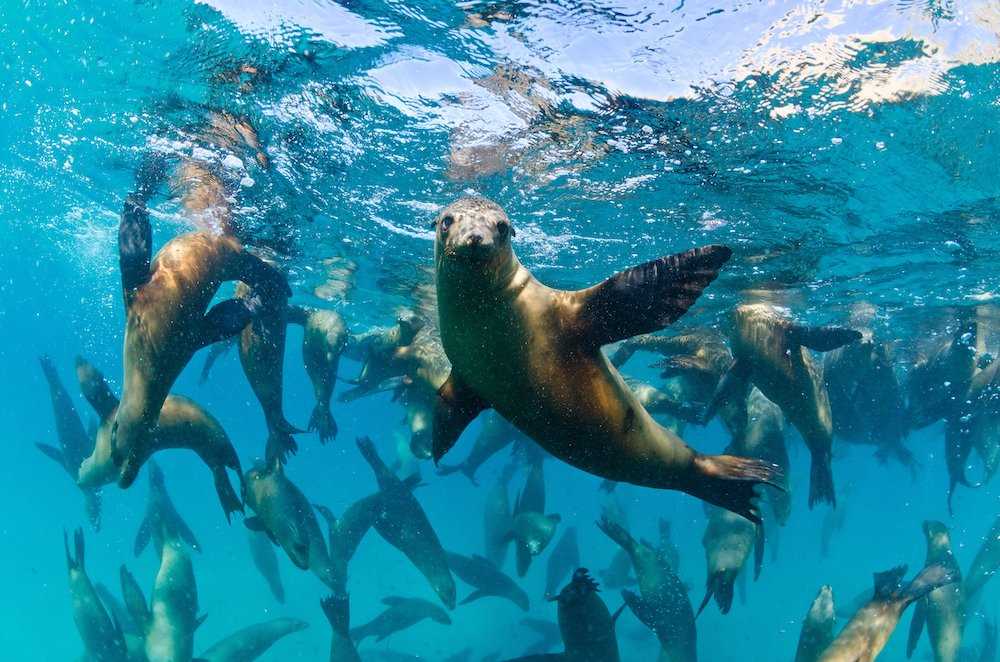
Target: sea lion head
x,y
473,234
938,538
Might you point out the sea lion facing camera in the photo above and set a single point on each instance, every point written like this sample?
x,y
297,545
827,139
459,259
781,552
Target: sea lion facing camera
x,y
533,353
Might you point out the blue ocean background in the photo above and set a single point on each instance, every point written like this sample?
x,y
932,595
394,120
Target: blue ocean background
x,y
857,143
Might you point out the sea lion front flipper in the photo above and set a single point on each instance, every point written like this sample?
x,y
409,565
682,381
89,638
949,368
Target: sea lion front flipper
x,y
135,246
224,320
822,338
456,406
916,627
646,297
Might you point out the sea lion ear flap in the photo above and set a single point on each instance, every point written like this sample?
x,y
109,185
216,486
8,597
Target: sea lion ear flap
x,y
645,298
822,338
456,406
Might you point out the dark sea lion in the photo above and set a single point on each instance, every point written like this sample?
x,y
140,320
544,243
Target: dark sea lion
x,y
940,378
486,579
251,642
161,515
497,518
587,627
771,352
74,442
728,542
663,605
286,516
346,532
337,609
563,559
401,613
404,525
866,634
534,354
324,336
102,637
266,562
531,529
984,565
943,609
817,627
495,435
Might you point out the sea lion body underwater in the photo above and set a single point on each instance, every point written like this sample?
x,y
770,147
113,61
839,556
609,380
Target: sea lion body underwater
x,y
251,642
324,337
401,613
495,435
102,636
533,353
497,518
266,561
161,515
346,532
486,579
817,627
728,543
943,609
563,560
531,529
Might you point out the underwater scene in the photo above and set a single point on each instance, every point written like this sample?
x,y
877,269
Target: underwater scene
x,y
531,330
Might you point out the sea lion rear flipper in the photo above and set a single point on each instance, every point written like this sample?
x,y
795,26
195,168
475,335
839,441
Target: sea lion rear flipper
x,y
53,454
646,297
523,559
224,320
135,246
822,338
456,406
135,601
821,489
728,481
916,627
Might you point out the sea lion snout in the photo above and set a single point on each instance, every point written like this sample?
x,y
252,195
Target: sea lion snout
x,y
474,229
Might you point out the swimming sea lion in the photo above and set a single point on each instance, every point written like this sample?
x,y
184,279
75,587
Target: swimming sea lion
x,y
984,565
940,378
943,609
728,541
563,559
346,532
404,525
401,613
534,354
531,529
587,627
487,579
763,437
497,519
817,627
337,609
495,435
251,642
74,442
161,515
866,634
266,562
972,426
102,637
324,337
772,353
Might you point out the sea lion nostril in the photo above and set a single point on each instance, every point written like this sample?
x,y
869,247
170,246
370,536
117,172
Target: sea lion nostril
x,y
475,239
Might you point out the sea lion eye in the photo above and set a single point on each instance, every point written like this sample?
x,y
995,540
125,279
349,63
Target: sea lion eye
x,y
446,222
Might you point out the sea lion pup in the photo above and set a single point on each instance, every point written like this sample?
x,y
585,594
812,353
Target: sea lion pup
x,y
866,634
817,627
772,353
337,609
534,354
266,562
984,565
531,529
564,558
74,442
495,435
347,532
943,609
284,514
497,518
486,579
324,337
401,613
663,605
404,525
102,636
182,423
161,515
251,642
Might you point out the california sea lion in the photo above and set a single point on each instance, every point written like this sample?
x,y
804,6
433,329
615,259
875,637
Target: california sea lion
x,y
943,609
564,559
266,562
401,613
324,337
102,637
763,437
531,528
817,627
587,627
866,634
486,579
972,426
346,532
161,515
375,349
534,354
337,609
251,642
497,518
404,525
74,442
772,353
728,541
940,377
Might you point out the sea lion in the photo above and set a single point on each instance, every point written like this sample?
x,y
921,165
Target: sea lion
x,y
663,605
817,627
182,423
347,532
534,354
376,350
266,562
495,435
404,525
324,337
531,529
940,378
251,642
763,437
161,515
587,627
866,634
771,352
984,565
497,519
285,515
401,613
337,609
486,579
102,637
943,609
728,541
74,442
564,559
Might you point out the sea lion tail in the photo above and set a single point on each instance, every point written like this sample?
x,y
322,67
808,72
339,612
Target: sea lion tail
x,y
280,444
728,481
821,488
321,422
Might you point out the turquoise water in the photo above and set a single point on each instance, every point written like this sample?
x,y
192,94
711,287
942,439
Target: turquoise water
x,y
846,151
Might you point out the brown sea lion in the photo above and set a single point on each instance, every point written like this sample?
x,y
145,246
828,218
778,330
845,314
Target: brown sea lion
x,y
266,562
763,437
324,337
102,636
728,542
943,609
487,580
817,627
587,627
534,354
346,532
771,352
866,634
